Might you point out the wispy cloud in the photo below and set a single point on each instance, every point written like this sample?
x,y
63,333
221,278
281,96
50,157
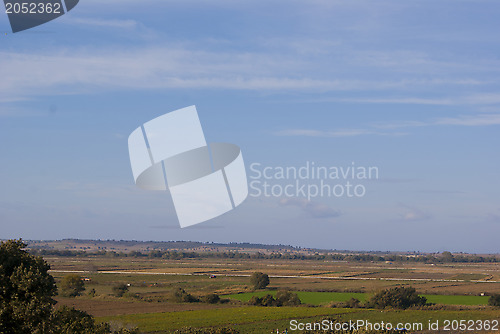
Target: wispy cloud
x,y
470,120
108,23
389,127
334,133
191,65
471,99
313,209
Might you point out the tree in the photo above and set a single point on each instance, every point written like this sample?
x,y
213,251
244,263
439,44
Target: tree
x,y
26,298
398,297
26,290
70,321
259,280
494,300
67,320
447,257
119,289
72,286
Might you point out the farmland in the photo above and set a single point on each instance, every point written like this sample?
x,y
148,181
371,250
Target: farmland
x,y
459,290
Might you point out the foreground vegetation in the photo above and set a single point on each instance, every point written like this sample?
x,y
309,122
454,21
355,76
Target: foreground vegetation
x,y
253,319
226,293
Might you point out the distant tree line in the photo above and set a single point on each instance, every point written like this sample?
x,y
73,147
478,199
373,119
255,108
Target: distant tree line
x,y
445,257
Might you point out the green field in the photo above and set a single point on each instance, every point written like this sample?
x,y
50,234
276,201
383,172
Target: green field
x,y
156,322
321,298
253,319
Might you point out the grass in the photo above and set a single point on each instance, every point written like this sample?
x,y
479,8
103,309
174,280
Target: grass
x,y
252,319
457,300
156,322
321,298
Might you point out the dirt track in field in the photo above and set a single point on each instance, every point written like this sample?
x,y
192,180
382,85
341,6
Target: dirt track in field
x,y
104,308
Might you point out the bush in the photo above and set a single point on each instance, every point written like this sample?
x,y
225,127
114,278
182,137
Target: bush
x,y
92,293
181,296
283,298
494,300
352,303
211,298
267,300
287,298
72,286
398,297
120,289
259,280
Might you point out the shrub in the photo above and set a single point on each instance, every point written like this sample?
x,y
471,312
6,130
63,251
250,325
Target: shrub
x,y
119,289
92,293
211,298
287,298
494,300
352,303
181,296
398,297
267,300
283,298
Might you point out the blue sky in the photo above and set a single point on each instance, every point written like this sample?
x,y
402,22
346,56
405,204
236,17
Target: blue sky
x,y
411,87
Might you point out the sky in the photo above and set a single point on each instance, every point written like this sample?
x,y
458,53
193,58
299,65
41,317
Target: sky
x,y
408,87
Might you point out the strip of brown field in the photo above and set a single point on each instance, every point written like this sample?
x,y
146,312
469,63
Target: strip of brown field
x,y
278,276
103,308
340,276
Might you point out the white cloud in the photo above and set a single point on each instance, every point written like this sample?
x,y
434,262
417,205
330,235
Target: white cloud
x,y
413,214
108,23
335,133
470,120
203,65
374,128
313,209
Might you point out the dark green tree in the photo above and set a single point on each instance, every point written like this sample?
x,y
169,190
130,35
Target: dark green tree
x,y
494,300
26,298
398,297
26,290
259,280
72,285
67,320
